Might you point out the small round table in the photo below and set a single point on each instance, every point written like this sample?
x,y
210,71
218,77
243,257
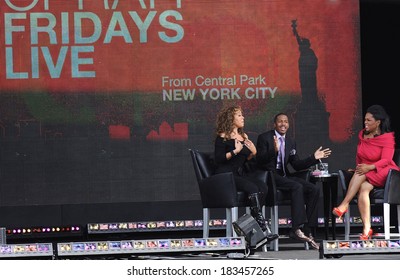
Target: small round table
x,y
330,193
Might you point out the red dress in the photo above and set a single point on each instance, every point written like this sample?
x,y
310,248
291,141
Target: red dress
x,y
379,151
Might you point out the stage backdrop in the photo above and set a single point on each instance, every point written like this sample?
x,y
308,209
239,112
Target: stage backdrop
x,y
100,100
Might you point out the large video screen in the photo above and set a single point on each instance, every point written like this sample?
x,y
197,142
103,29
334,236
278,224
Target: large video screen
x,y
101,100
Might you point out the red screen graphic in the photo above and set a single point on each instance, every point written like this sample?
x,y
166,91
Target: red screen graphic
x,y
99,97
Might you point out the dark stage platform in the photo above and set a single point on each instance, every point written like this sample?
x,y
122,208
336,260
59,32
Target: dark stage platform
x,y
289,250
189,244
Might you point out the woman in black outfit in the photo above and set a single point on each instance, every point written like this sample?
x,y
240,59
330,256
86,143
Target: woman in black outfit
x,y
233,149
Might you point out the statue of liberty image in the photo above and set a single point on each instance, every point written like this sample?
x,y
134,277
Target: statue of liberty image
x,y
308,64
311,117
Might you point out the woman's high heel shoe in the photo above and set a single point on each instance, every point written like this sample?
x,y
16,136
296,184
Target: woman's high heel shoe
x,y
367,236
338,213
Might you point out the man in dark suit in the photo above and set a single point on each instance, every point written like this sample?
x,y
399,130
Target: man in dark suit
x,y
275,150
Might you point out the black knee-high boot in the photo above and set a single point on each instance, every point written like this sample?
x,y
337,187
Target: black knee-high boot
x,y
256,212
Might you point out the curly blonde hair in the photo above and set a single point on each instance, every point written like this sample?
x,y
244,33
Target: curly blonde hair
x,y
224,122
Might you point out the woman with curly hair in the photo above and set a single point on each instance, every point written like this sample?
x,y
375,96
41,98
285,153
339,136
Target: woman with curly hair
x,y
233,149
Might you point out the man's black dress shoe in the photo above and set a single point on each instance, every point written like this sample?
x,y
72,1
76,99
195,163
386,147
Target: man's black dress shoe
x,y
314,244
297,234
300,236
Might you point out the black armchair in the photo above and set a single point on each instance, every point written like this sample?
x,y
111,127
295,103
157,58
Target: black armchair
x,y
216,191
389,195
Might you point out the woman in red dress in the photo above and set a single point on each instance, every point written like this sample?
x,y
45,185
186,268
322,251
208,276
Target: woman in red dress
x,y
374,159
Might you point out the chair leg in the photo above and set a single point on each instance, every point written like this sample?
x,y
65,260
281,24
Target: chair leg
x,y
264,247
235,217
398,219
228,214
386,220
347,224
274,226
206,222
232,214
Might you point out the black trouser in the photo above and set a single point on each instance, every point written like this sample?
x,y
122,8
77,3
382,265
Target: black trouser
x,y
302,193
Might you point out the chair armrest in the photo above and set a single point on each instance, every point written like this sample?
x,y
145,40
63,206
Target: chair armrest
x,y
254,171
392,187
344,177
259,174
218,191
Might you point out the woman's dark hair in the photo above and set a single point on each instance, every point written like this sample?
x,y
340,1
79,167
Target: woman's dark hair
x,y
224,122
379,113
